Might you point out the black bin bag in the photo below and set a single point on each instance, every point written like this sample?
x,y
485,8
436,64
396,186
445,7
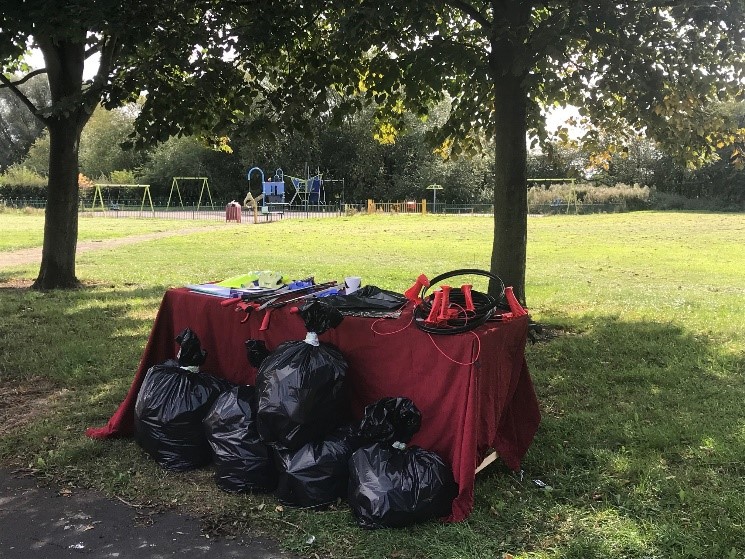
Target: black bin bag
x,y
242,461
390,485
299,386
316,474
256,351
389,420
172,403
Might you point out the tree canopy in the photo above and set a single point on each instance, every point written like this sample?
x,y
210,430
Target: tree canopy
x,y
653,68
18,127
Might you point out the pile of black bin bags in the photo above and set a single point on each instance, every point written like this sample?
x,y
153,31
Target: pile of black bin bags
x,y
291,432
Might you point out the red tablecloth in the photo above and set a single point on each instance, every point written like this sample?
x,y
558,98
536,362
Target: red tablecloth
x,y
473,390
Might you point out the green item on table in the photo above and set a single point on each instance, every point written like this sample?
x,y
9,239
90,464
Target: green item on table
x,y
264,278
245,280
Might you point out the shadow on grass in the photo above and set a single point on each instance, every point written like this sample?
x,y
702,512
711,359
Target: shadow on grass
x,y
13,280
641,448
85,341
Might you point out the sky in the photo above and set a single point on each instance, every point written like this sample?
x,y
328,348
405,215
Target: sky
x,y
36,60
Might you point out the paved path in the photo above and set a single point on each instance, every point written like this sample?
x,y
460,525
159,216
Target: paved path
x,y
39,522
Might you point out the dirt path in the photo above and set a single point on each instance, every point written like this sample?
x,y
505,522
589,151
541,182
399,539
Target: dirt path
x,y
33,255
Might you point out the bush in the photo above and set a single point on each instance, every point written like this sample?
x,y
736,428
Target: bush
x,y
671,201
122,177
587,198
21,182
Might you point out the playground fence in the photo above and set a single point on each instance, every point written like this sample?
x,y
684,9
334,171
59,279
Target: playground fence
x,y
133,209
574,207
423,206
20,203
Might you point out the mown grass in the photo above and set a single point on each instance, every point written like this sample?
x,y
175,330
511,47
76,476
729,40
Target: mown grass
x,y
24,228
642,443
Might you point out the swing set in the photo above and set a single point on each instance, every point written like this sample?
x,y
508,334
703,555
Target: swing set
x,y
98,195
204,187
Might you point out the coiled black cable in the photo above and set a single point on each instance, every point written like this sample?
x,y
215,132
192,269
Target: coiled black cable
x,y
484,304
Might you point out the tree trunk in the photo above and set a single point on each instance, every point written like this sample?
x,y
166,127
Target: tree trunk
x,y
510,184
61,217
64,60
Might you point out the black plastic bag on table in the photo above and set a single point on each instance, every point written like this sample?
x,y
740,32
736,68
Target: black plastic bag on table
x,y
299,387
316,474
242,461
190,353
369,297
172,403
390,485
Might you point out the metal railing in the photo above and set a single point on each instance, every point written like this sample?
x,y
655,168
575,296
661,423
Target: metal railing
x,y
577,208
133,209
20,203
219,212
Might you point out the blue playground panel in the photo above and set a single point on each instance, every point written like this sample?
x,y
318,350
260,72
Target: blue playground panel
x,y
273,190
314,190
310,191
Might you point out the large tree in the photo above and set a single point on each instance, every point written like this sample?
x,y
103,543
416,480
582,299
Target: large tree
x,y
652,66
179,53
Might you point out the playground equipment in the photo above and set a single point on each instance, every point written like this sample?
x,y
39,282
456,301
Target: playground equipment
x,y
98,194
204,184
272,195
309,190
250,202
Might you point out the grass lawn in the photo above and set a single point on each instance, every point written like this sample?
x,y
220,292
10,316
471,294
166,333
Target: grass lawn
x,y
640,376
26,229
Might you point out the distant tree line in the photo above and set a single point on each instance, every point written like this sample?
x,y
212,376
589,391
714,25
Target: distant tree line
x,y
718,184
373,161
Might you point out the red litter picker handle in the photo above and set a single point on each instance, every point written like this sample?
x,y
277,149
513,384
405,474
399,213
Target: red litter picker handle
x,y
468,296
515,307
412,294
444,304
434,312
449,311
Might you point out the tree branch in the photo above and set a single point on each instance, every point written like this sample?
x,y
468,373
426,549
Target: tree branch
x,y
92,50
25,100
24,79
471,12
109,47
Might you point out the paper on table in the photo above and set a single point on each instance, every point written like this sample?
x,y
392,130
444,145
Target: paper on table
x,y
212,289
